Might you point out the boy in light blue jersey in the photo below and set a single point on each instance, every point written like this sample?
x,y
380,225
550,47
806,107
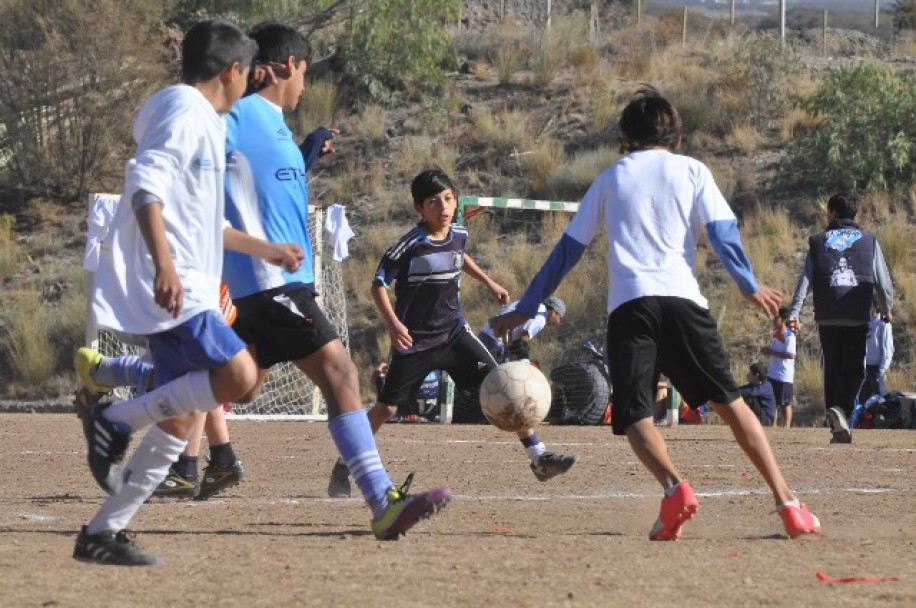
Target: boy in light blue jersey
x,y
278,316
653,204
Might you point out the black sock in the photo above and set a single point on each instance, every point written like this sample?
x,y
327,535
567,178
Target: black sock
x,y
222,455
186,466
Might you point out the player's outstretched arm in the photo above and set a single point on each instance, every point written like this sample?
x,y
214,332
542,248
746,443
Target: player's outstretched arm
x,y
287,255
472,269
502,325
168,292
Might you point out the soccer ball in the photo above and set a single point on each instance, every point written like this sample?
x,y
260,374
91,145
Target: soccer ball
x,y
515,396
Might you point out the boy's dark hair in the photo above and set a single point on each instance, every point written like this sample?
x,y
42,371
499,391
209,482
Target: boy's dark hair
x,y
430,183
649,120
844,205
276,42
210,46
784,313
759,370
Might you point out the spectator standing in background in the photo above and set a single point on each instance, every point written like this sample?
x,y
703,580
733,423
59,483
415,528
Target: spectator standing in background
x,y
781,371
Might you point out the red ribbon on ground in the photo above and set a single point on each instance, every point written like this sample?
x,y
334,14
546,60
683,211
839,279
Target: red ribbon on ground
x,y
857,579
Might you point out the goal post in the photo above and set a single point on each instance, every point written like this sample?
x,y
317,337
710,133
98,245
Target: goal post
x,y
287,394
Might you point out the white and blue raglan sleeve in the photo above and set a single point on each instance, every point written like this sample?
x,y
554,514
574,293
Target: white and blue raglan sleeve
x,y
722,229
567,252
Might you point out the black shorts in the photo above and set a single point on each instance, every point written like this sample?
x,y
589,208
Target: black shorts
x,y
668,335
463,356
283,324
783,391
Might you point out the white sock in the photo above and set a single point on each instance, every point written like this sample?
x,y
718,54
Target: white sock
x,y
534,452
144,472
189,393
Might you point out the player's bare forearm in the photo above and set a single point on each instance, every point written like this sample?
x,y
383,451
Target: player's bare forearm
x,y
168,292
766,299
473,270
287,255
399,334
505,323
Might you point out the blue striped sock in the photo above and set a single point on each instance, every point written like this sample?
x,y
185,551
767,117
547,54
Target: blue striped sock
x,y
354,440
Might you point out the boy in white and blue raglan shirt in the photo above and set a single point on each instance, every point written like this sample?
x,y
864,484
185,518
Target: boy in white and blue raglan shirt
x,y
158,279
278,316
781,369
653,204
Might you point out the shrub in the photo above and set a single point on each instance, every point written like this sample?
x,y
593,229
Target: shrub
x,y
70,83
865,137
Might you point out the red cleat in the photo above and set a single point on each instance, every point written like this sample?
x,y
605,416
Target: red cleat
x,y
676,509
799,520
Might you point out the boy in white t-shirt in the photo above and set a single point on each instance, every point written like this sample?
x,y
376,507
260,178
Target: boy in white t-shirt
x,y
781,371
653,204
159,278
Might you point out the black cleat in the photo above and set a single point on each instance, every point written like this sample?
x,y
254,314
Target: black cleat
x,y
106,445
112,549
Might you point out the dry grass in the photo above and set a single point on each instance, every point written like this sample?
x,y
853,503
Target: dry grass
x,y
541,163
506,131
895,239
10,253
371,124
317,106
744,138
29,349
569,181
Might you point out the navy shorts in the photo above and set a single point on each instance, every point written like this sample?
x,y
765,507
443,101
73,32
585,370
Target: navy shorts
x,y
783,391
283,324
668,335
203,342
463,356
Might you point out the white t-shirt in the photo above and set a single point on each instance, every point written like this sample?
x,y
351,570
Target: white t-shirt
x,y
781,369
181,160
653,204
531,327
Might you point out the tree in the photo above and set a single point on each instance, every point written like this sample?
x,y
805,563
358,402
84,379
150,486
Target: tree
x,y
69,85
904,15
396,47
865,133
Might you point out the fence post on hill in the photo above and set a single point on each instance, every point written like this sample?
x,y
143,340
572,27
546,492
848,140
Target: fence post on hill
x,y
877,13
684,28
825,32
782,22
731,13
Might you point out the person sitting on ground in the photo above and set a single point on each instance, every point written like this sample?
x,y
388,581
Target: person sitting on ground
x,y
758,394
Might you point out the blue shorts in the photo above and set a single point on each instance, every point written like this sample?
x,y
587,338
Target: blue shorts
x,y
783,391
205,341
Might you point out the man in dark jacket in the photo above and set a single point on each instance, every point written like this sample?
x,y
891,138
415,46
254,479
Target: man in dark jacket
x,y
847,273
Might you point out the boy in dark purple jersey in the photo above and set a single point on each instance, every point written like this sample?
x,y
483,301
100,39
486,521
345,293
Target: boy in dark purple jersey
x,y
425,324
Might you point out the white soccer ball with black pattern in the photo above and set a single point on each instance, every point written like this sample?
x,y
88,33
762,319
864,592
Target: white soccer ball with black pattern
x,y
515,396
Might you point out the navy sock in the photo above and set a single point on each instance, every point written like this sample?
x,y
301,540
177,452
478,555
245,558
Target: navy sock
x,y
222,455
186,466
531,441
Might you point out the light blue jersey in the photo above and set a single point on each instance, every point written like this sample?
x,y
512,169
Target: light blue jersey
x,y
266,194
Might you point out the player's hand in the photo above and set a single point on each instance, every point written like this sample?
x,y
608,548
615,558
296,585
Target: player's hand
x,y
327,147
287,255
501,293
794,324
505,323
766,299
168,291
400,336
265,74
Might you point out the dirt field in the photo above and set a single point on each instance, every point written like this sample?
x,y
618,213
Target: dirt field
x,y
505,539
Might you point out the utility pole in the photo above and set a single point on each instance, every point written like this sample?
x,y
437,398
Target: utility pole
x,y
782,22
731,13
877,12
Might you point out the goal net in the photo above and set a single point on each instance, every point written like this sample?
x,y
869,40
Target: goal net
x,y
287,394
